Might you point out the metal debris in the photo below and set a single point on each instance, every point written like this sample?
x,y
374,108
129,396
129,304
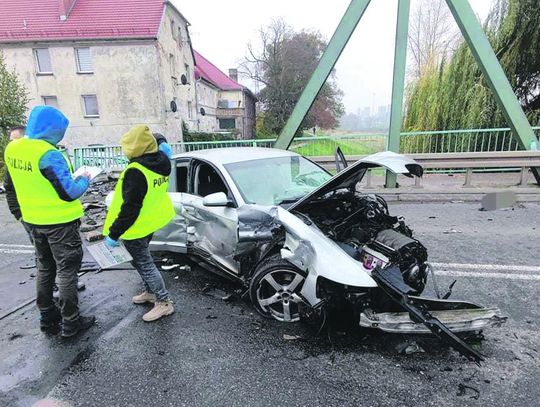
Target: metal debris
x,y
408,348
462,391
291,337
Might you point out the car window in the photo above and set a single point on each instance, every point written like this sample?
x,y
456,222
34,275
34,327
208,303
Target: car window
x,y
182,176
208,181
273,181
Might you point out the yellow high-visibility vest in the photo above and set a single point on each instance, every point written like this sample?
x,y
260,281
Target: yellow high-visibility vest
x,y
39,201
157,208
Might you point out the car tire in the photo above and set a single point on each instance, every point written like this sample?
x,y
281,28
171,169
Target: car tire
x,y
275,287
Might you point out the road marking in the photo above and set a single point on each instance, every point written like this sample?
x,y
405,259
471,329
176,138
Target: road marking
x,y
507,276
13,251
493,267
13,246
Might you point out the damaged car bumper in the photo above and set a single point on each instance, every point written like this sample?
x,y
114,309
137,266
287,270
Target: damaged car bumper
x,y
458,321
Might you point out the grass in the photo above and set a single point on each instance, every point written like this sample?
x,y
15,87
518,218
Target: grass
x,y
349,147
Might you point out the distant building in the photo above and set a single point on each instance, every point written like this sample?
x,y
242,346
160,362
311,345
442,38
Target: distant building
x,y
107,64
222,103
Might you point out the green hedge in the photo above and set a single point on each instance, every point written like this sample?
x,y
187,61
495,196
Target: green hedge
x,y
199,136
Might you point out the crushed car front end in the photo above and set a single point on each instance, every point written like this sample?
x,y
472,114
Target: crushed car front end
x,y
388,270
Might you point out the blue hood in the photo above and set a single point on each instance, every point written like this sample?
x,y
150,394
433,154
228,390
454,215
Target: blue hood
x,y
46,123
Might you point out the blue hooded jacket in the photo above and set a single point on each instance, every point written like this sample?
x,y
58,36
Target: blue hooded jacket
x,y
49,124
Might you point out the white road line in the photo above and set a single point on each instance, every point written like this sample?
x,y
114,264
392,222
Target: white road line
x,y
17,246
15,251
494,267
506,276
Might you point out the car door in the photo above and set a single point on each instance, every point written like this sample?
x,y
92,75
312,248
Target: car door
x,y
212,231
173,237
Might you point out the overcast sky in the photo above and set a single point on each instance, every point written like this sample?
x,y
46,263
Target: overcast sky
x,y
221,29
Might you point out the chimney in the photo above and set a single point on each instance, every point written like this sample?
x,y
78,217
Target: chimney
x,y
233,74
64,8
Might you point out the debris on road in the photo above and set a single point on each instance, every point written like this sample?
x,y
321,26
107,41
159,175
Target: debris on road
x,y
291,337
408,348
462,391
14,336
94,236
452,230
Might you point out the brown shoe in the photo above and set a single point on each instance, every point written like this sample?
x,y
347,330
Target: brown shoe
x,y
144,298
160,309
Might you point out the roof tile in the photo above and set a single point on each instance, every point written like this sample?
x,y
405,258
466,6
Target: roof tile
x,y
35,20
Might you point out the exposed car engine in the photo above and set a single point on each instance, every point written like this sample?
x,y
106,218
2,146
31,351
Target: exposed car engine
x,y
362,225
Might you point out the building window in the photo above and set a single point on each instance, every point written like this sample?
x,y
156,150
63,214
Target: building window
x,y
188,73
50,101
227,124
172,65
173,29
43,61
90,106
84,60
190,110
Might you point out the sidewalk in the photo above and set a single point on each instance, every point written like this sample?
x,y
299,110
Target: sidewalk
x,y
449,187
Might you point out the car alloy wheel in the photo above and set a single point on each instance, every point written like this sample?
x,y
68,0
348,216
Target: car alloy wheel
x,y
277,294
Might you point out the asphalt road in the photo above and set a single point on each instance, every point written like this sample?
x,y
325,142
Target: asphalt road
x,y
218,353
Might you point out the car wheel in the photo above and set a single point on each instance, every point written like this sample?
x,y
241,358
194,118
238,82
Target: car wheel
x,y
275,288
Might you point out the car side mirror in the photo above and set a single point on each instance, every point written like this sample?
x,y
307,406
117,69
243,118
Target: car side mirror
x,y
216,199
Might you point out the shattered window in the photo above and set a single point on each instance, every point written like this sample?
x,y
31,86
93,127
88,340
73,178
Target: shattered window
x,y
286,179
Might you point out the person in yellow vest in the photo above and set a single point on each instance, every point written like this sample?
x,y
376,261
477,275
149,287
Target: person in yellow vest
x,y
140,207
48,198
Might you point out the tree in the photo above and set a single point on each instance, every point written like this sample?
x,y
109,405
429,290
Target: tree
x,y
432,35
455,94
13,101
282,64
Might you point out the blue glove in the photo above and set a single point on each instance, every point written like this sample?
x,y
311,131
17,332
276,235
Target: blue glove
x,y
166,149
111,242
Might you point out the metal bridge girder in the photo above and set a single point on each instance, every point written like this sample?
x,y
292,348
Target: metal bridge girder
x,y
398,84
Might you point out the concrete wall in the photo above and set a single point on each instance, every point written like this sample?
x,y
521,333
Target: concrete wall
x,y
124,82
179,47
207,98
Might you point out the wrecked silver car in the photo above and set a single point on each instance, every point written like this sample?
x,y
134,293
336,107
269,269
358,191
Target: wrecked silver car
x,y
303,241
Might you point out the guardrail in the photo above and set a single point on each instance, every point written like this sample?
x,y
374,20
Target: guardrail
x,y
522,160
451,141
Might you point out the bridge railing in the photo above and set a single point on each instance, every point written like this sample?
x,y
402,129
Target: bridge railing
x,y
460,141
451,141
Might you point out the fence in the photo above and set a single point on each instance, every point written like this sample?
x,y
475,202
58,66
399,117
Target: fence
x,y
451,141
460,141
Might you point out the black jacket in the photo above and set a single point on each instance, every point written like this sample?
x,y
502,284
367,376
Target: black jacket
x,y
11,197
134,190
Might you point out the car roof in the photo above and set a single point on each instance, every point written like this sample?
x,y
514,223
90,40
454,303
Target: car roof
x,y
236,154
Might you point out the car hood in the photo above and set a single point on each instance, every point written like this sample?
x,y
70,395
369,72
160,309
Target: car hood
x,y
350,176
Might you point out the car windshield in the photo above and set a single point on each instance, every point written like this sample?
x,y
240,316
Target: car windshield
x,y
279,180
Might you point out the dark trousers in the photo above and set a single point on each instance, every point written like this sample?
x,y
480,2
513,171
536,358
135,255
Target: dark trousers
x,y
28,230
59,254
144,264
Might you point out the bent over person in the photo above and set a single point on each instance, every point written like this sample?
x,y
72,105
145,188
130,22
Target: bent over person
x,y
140,207
48,196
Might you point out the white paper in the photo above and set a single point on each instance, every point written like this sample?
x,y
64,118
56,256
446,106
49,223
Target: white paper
x,y
107,256
92,171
